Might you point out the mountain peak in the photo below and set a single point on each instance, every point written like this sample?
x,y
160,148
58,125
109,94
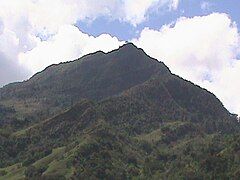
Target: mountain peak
x,y
102,107
129,46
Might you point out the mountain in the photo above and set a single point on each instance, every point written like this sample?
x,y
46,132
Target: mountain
x,y
95,76
116,115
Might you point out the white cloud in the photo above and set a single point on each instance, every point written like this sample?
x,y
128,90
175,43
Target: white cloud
x,y
68,44
226,87
205,6
174,4
23,22
201,49
10,69
45,15
135,13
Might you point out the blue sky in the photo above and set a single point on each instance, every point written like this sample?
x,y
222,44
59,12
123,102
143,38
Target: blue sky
x,y
186,8
197,39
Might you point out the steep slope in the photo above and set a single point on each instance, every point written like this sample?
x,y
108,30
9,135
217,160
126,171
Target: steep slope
x,y
167,98
97,76
119,115
122,137
94,76
139,110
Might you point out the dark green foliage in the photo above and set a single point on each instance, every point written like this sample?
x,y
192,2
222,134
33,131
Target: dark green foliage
x,y
3,172
120,115
32,172
95,76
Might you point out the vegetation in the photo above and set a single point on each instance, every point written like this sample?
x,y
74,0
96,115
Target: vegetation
x,y
120,115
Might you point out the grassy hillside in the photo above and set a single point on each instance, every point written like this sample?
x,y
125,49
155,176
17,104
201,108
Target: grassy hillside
x,y
120,115
95,76
169,152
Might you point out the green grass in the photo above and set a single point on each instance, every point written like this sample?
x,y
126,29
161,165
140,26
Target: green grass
x,y
14,172
21,106
156,135
152,137
56,163
56,154
23,132
20,133
58,167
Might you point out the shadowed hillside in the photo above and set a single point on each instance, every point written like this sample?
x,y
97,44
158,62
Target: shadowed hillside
x,y
94,76
116,115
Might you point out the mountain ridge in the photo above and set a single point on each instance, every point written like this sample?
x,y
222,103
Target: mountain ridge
x,y
94,76
77,68
116,115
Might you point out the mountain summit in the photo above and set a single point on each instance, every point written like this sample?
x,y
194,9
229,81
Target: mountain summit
x,y
95,76
116,115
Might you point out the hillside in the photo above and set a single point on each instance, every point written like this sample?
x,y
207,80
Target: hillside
x,y
95,76
116,115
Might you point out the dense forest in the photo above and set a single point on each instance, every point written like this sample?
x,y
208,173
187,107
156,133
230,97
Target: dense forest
x,y
116,115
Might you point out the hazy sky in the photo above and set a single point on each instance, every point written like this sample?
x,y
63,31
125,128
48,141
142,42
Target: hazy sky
x,y
197,39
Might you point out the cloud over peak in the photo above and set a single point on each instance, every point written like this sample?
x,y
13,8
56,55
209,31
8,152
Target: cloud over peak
x,y
203,49
67,44
36,33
